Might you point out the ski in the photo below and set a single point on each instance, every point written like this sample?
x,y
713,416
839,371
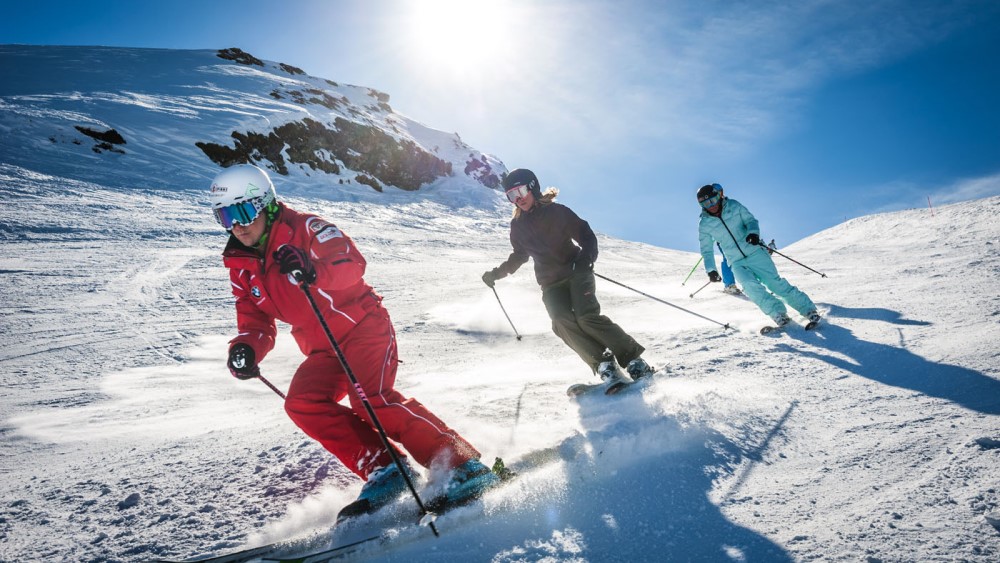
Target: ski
x,y
251,554
771,329
335,553
391,520
568,449
578,389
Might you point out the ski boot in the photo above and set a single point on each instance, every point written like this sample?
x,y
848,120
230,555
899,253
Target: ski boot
x,y
468,482
780,322
612,375
384,485
638,368
814,318
731,289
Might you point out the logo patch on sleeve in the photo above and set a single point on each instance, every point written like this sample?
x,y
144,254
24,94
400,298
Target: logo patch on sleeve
x,y
329,232
322,230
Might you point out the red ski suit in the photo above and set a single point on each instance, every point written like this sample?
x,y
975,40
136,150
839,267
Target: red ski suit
x,y
362,329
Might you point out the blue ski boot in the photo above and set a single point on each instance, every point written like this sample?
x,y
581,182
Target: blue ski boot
x,y
468,482
384,485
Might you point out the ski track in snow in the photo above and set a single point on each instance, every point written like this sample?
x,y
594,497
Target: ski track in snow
x,y
873,438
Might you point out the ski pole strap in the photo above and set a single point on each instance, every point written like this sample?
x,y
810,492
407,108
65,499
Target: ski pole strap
x,y
723,325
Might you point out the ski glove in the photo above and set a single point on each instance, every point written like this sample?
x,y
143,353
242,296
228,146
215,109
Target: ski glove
x,y
753,238
295,261
490,278
243,362
713,276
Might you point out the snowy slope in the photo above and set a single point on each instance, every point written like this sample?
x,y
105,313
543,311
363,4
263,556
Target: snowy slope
x,y
876,438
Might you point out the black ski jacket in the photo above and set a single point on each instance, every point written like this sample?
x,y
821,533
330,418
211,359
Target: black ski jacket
x,y
555,238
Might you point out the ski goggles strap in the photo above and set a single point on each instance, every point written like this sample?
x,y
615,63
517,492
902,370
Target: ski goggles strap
x,y
518,192
243,213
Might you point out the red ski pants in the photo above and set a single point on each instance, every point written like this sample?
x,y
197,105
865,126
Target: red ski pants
x,y
320,383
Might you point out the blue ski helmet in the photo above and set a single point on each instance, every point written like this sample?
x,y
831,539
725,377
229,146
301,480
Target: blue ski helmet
x,y
709,190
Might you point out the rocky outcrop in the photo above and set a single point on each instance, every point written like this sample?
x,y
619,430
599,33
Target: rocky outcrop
x,y
107,139
380,158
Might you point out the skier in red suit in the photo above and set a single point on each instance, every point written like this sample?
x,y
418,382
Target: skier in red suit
x,y
269,241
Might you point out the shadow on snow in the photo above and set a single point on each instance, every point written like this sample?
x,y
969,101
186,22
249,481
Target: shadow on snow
x,y
897,366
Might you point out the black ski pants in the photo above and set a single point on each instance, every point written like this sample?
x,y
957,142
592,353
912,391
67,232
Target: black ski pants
x,y
577,320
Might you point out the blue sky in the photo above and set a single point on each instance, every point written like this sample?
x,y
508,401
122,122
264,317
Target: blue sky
x,y
808,112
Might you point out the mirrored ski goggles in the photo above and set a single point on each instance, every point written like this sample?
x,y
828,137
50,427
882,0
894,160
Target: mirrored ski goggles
x,y
710,202
518,192
243,213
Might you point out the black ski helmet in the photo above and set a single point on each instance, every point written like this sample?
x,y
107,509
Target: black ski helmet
x,y
709,190
523,177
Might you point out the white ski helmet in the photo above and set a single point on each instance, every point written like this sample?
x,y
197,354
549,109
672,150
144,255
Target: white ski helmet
x,y
239,194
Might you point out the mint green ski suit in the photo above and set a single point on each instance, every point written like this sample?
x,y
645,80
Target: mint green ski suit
x,y
752,265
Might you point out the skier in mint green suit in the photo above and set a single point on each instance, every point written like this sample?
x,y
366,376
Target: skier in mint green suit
x,y
725,221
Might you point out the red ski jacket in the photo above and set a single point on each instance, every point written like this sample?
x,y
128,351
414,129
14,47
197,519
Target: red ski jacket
x,y
264,294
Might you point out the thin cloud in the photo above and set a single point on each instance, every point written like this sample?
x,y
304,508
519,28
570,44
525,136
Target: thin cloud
x,y
901,195
964,190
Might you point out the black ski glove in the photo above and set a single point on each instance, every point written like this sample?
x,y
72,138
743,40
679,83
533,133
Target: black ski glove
x,y
490,278
713,276
753,238
295,261
243,362
582,264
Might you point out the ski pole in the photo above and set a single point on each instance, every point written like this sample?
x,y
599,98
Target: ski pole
x,y
269,384
692,270
701,288
365,402
505,312
793,260
726,325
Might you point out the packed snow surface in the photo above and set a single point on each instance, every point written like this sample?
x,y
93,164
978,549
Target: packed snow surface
x,y
874,438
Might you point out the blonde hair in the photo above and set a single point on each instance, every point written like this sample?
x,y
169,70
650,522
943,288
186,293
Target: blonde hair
x,y
548,196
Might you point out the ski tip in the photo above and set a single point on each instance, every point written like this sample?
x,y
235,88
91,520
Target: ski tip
x,y
614,389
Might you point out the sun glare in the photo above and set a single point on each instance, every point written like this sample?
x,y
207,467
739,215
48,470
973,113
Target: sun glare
x,y
459,36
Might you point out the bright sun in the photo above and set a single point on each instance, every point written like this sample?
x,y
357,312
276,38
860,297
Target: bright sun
x,y
460,36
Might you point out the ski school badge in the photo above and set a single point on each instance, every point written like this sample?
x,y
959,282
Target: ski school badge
x,y
324,231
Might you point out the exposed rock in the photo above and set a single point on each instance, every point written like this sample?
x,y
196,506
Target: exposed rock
x,y
238,55
291,69
366,149
109,136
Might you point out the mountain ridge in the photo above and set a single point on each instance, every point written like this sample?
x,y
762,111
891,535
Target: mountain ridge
x,y
169,119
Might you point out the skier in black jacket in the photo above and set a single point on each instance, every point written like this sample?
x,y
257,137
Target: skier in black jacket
x,y
564,249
